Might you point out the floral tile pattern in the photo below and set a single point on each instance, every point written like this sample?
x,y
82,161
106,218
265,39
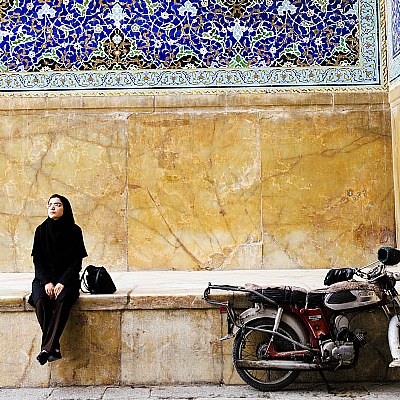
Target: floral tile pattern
x,y
142,44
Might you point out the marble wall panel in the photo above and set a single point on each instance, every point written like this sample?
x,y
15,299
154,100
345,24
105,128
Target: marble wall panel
x,y
20,343
175,346
194,191
327,187
90,347
80,156
395,111
236,182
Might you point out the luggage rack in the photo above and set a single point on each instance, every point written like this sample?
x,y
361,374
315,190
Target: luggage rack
x,y
232,288
226,307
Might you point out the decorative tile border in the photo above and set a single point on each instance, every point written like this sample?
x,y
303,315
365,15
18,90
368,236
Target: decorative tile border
x,y
88,45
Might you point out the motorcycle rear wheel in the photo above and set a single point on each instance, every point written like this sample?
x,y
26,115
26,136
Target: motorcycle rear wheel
x,y
247,345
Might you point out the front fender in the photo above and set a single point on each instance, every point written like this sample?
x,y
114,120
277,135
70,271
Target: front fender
x,y
264,312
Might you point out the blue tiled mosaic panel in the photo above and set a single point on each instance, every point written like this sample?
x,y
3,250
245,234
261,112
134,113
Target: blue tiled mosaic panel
x,y
396,27
393,40
86,44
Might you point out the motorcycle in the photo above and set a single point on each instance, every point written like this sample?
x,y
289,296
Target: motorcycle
x,y
289,329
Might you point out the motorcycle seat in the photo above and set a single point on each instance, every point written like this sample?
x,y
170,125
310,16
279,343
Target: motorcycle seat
x,y
351,285
300,297
287,295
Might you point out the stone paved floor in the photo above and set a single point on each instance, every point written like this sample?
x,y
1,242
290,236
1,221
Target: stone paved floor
x,y
361,391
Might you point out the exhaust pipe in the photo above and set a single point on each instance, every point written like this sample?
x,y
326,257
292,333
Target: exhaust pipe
x,y
277,364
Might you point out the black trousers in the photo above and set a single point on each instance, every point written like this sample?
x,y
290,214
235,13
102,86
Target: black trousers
x,y
52,315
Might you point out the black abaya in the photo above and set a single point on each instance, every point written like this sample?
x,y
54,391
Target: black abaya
x,y
58,249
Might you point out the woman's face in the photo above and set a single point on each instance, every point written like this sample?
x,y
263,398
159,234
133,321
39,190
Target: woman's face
x,y
55,208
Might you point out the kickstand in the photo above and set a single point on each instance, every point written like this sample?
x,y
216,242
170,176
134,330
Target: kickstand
x,y
327,385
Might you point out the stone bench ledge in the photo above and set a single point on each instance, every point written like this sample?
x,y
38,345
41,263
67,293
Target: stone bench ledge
x,y
158,289
156,319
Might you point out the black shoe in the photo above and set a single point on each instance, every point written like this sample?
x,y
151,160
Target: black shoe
x,y
43,357
54,355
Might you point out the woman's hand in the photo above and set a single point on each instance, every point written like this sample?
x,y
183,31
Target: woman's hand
x,y
58,289
49,289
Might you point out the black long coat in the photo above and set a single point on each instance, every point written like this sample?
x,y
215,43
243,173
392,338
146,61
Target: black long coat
x,y
58,249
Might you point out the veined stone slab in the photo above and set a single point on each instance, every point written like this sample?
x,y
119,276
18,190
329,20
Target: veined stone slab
x,y
90,347
327,185
20,337
80,156
194,191
171,346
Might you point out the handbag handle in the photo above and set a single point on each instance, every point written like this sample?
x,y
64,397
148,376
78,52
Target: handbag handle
x,y
83,280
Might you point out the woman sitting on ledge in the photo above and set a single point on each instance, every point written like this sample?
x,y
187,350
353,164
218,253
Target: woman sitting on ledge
x,y
58,250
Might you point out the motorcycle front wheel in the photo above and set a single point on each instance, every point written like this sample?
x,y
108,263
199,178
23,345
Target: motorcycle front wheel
x,y
249,345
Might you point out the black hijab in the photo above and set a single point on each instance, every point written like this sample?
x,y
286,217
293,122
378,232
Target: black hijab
x,y
61,240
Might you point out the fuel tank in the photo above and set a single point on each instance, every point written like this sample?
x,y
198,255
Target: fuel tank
x,y
352,295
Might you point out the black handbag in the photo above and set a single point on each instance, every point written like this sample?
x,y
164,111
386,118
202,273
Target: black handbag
x,y
97,280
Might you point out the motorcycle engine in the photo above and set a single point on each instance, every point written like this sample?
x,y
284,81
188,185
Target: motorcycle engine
x,y
344,349
342,352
